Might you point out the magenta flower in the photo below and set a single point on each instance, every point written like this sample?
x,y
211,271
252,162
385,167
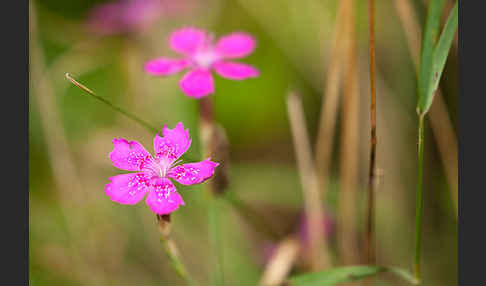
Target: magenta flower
x,y
124,16
152,174
201,56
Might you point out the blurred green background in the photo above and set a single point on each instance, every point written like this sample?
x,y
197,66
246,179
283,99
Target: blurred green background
x,y
79,237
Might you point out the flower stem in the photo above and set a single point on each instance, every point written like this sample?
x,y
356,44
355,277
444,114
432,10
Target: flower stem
x,y
171,248
116,108
208,136
418,211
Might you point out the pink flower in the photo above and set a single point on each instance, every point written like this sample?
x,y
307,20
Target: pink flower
x,y
201,56
124,16
152,174
327,223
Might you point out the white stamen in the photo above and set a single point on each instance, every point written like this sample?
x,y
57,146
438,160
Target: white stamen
x,y
205,59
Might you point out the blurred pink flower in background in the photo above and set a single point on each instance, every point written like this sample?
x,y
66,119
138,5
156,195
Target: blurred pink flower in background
x,y
127,16
301,231
327,223
201,56
153,173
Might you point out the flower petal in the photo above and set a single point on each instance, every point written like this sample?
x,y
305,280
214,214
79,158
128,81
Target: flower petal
x,y
193,173
165,66
235,45
129,155
163,197
197,83
235,71
187,40
128,189
173,144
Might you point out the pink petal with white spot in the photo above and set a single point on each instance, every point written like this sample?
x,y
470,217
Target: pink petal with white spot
x,y
128,189
173,144
193,173
235,45
165,66
197,83
163,197
235,71
129,155
187,40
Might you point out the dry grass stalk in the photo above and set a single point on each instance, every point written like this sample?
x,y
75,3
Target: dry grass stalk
x,y
369,241
330,99
347,229
318,250
281,262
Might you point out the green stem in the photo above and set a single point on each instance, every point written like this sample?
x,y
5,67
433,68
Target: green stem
x,y
214,220
171,248
176,263
116,108
418,212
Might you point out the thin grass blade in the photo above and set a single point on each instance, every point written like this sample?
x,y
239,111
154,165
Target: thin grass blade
x,y
440,54
429,40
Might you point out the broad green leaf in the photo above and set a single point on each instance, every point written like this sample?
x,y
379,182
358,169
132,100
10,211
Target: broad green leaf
x,y
441,51
431,33
346,274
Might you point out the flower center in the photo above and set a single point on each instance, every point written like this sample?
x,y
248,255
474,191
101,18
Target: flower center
x,y
205,59
164,165
154,169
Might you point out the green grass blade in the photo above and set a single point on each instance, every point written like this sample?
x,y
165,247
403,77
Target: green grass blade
x,y
440,53
346,274
431,33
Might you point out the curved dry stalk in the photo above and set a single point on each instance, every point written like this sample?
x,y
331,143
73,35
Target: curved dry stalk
x,y
440,121
330,99
318,250
281,262
128,114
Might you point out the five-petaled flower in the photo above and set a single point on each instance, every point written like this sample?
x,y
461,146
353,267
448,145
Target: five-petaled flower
x,y
201,56
153,173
